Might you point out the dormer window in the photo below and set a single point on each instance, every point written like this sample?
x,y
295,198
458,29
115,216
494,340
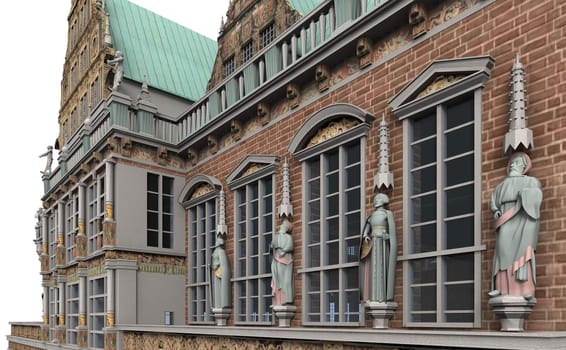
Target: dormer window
x,y
247,51
229,66
267,35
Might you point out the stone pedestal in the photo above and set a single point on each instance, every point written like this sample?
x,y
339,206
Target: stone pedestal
x,y
60,334
82,337
284,314
221,315
381,313
110,338
512,311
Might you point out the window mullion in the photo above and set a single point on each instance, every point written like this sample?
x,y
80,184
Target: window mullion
x,y
341,284
323,228
440,116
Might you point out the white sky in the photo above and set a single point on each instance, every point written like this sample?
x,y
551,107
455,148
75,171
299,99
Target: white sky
x,y
33,36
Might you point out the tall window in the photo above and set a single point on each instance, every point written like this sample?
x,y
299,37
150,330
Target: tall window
x,y
332,185
94,92
267,35
443,261
72,312
53,311
202,226
95,214
71,224
159,211
254,228
247,51
52,223
229,66
97,312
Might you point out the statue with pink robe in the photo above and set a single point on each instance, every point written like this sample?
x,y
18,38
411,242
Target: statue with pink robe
x,y
515,203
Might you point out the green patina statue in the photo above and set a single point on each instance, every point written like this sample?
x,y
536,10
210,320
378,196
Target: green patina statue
x,y
220,276
515,203
378,253
282,283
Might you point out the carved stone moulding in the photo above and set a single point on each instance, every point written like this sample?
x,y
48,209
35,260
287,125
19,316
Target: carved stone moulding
x,y
201,190
292,94
263,113
418,20
334,128
363,51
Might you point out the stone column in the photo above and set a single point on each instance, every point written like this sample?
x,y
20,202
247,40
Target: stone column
x,y
82,330
60,332
109,222
81,248
60,250
110,332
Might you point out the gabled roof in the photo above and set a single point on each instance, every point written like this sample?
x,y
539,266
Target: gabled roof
x,y
304,6
174,58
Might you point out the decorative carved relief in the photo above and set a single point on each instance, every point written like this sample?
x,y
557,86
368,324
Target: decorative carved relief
x,y
201,190
292,94
109,234
363,51
440,82
212,142
263,113
126,146
97,157
192,156
85,168
417,19
252,168
332,129
236,129
391,43
449,11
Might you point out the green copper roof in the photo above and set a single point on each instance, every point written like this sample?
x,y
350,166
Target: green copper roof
x,y
174,58
304,6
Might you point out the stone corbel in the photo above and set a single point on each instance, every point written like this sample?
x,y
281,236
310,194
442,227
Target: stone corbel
x,y
74,179
192,156
417,20
126,144
322,75
212,142
85,168
236,129
263,113
112,143
292,94
97,157
62,188
363,51
162,155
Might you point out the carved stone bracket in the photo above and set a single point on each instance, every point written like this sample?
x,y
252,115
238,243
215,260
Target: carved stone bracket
x,y
292,94
85,168
221,315
322,75
263,113
192,156
284,314
97,157
381,313
512,311
363,51
212,142
236,129
418,20
126,146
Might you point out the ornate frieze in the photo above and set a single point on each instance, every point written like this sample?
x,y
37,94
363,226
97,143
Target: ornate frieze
x,y
201,190
332,129
440,82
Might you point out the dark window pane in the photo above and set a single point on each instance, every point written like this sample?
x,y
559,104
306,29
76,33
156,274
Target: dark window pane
x,y
353,224
314,233
332,161
424,317
424,239
460,233
314,189
424,208
314,255
167,185
460,317
313,168
424,180
353,176
268,204
460,113
460,141
460,201
332,279
460,170
460,297
333,229
167,240
332,205
423,298
332,183
167,222
153,182
352,306
313,279
152,221
152,201
423,271
353,200
424,127
314,210
459,267
267,223
424,153
332,253
253,191
351,278
353,153
352,249
152,238
167,204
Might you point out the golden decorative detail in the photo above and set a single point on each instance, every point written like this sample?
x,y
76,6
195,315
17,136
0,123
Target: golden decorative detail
x,y
82,320
252,169
450,10
44,248
332,129
161,268
108,211
60,239
440,82
61,319
110,319
45,319
201,190
81,227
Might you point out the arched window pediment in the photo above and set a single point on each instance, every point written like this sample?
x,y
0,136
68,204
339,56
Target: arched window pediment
x,y
253,166
199,188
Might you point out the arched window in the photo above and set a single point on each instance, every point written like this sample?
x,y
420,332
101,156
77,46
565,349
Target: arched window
x,y
331,146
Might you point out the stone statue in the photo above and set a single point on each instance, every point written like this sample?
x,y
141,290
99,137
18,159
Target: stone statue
x,y
49,156
220,276
118,63
378,253
282,282
515,203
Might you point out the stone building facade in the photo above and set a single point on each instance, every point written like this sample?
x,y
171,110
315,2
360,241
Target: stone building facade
x,y
350,98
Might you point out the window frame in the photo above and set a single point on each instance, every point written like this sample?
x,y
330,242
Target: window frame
x,y
267,35
72,321
161,213
247,51
407,105
238,183
303,153
95,194
96,315
71,224
229,66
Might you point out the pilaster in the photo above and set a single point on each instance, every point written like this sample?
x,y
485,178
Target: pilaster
x,y
109,224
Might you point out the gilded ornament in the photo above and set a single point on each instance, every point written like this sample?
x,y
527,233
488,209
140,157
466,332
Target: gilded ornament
x,y
61,319
252,169
108,211
201,190
110,319
81,227
82,320
332,129
440,82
